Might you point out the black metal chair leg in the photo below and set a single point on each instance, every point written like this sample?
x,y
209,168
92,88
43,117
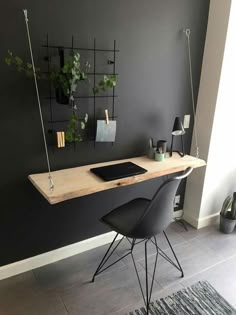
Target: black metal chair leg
x,y
146,275
104,257
148,292
132,244
182,272
139,281
181,222
154,270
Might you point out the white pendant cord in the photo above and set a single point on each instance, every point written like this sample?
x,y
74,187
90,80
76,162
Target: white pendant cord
x,y
51,184
187,33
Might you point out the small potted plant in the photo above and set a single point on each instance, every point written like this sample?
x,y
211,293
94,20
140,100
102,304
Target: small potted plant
x,y
228,214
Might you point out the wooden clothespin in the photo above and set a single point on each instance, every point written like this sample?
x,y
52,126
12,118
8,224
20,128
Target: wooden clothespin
x,y
60,139
107,116
63,139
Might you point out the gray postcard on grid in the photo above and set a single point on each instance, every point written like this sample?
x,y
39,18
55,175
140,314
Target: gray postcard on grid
x,y
106,132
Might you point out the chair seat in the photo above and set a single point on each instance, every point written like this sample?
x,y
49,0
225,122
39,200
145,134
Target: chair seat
x,y
124,218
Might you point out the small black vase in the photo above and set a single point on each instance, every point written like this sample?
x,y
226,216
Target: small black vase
x,y
61,98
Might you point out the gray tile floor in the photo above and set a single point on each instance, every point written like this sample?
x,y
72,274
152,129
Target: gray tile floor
x,y
64,287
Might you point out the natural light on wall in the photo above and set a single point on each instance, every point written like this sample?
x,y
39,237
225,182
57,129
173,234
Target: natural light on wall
x,y
216,112
221,170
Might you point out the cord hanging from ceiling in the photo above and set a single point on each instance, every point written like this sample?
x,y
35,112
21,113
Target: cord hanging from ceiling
x,y
51,184
188,33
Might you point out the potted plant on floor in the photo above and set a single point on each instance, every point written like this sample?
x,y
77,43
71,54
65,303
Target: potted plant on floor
x,y
228,214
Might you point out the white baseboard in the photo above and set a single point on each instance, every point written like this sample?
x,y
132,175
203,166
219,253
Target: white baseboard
x,y
202,222
77,248
55,255
191,220
208,220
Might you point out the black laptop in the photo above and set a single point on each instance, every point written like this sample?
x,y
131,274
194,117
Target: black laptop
x,y
117,171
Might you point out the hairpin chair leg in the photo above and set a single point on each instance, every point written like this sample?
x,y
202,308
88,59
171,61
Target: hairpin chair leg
x,y
106,257
103,261
132,244
180,268
148,291
181,222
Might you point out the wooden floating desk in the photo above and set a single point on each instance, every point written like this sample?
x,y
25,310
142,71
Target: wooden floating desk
x,y
79,181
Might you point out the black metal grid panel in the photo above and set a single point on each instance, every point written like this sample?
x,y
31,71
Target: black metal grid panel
x,y
53,121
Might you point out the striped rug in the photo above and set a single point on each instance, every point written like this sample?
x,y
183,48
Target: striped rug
x,y
199,299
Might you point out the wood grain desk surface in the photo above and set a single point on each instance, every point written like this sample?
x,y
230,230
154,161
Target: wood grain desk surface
x,y
79,181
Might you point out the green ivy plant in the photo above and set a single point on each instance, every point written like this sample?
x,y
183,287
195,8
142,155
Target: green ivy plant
x,y
22,66
70,75
73,129
105,84
67,79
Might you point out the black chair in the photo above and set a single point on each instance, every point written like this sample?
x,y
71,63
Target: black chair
x,y
144,219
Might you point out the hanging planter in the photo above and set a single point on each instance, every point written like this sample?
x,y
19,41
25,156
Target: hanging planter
x,y
61,97
67,78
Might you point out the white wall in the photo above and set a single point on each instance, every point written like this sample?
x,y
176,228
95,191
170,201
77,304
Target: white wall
x,y
216,115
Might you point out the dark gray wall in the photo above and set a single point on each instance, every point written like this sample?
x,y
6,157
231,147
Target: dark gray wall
x,y
153,88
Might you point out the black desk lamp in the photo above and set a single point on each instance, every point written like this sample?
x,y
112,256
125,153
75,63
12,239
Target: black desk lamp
x,y
178,130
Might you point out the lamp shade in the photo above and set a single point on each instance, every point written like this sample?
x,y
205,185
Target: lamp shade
x,y
178,128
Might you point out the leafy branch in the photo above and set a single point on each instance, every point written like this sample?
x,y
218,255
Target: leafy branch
x,y
22,66
105,84
66,78
73,129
